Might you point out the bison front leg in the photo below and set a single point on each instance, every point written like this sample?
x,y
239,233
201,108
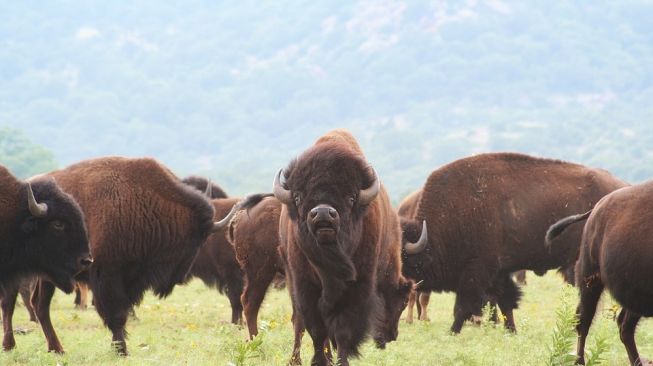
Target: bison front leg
x,y
508,295
298,326
305,302
112,304
8,303
471,291
26,294
411,303
81,295
43,297
423,301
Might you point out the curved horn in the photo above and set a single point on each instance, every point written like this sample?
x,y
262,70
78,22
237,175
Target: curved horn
x,y
219,225
209,189
366,196
282,194
35,208
416,248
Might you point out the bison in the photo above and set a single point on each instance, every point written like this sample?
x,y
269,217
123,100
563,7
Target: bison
x,y
487,215
408,209
42,232
145,227
216,263
341,244
616,252
254,234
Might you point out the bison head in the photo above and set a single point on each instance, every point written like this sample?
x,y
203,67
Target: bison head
x,y
327,191
54,233
396,301
415,252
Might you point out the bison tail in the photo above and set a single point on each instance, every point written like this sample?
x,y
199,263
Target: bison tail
x,y
560,226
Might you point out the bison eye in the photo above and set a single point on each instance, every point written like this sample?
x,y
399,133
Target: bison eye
x,y
352,200
58,225
298,200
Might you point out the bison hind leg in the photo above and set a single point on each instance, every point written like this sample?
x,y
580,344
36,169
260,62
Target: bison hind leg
x,y
627,324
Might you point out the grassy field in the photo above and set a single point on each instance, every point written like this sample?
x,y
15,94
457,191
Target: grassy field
x,y
191,328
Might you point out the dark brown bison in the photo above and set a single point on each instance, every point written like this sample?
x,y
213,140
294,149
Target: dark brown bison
x,y
341,245
42,232
408,209
254,234
145,227
216,263
211,190
616,252
487,216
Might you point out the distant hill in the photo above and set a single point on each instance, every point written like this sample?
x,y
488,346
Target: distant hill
x,y
235,90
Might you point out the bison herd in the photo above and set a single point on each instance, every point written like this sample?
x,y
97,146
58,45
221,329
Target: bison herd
x,y
351,262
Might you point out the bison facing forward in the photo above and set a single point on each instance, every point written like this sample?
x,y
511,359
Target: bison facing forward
x,y
337,226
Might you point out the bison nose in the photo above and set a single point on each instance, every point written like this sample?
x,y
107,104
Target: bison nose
x,y
86,261
323,213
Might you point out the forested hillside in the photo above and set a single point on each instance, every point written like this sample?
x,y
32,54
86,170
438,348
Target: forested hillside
x,y
234,90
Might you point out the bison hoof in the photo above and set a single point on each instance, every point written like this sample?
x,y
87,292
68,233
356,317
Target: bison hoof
x,y
120,347
8,346
380,344
295,361
57,350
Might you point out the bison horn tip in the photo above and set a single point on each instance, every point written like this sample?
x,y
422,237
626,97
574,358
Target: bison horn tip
x,y
35,208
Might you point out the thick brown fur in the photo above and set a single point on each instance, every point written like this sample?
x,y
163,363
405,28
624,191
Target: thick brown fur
x,y
216,279
336,289
616,253
487,216
254,234
216,263
54,246
145,228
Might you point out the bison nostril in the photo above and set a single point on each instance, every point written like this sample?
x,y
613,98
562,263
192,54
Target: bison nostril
x,y
86,261
333,213
313,213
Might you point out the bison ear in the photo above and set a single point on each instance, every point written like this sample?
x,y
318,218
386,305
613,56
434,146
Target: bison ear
x,y
30,225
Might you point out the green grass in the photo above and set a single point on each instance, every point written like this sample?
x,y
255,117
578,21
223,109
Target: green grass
x,y
191,328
